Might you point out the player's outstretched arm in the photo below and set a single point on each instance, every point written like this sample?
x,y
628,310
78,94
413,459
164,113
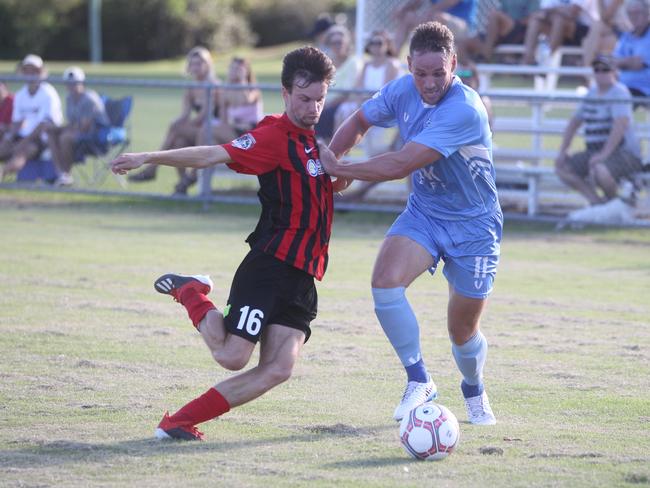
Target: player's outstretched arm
x,y
384,167
186,157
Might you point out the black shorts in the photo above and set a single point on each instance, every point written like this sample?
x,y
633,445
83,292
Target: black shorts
x,y
517,34
266,290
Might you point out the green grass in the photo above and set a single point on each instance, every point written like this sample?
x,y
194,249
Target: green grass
x,y
92,356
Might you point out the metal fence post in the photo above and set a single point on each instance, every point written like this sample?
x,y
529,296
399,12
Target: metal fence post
x,y
205,175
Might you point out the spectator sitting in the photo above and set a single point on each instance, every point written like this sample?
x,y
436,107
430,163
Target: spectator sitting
x,y
6,107
458,15
612,151
563,22
379,69
506,25
36,105
86,114
632,52
240,110
184,131
337,41
604,33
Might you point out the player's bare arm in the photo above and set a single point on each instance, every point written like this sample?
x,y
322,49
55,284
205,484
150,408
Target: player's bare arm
x,y
388,166
349,134
187,157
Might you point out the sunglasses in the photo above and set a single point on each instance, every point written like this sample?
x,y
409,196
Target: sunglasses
x,y
375,42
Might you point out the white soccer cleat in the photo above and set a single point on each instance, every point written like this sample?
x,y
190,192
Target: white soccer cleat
x,y
479,411
416,394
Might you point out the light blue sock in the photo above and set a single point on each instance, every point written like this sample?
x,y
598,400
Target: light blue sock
x,y
399,323
470,358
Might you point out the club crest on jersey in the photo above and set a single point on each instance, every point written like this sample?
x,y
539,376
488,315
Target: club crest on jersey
x,y
244,142
314,167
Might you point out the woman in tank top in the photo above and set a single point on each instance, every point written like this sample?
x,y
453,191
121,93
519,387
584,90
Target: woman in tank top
x,y
184,130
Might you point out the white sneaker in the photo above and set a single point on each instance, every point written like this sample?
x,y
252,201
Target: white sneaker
x,y
416,393
64,179
479,411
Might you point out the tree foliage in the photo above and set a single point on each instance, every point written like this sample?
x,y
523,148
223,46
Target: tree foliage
x,y
134,30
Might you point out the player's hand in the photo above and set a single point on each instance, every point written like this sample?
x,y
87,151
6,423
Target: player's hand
x,y
328,159
126,162
341,184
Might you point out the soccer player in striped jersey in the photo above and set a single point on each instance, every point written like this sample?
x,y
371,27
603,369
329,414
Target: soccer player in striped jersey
x,y
452,214
272,296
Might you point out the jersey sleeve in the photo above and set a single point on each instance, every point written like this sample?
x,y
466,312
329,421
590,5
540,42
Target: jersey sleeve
x,y
380,109
255,152
454,127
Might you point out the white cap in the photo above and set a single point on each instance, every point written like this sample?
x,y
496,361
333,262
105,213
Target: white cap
x,y
74,74
33,60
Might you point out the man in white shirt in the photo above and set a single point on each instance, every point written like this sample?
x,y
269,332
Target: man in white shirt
x,y
36,105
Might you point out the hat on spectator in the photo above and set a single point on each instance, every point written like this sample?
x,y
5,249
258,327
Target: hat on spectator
x,y
322,23
32,60
74,74
604,60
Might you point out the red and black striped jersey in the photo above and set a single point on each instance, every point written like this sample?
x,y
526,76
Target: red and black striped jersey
x,y
295,192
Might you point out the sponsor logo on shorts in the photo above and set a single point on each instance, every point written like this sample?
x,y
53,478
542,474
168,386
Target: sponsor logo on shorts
x,y
314,168
244,142
480,271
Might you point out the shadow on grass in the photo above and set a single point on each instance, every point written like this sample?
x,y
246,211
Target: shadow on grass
x,y
39,453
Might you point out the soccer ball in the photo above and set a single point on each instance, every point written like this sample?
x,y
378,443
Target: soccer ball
x,y
429,432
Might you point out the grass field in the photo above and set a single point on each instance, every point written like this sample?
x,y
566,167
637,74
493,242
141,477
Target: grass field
x,y
92,356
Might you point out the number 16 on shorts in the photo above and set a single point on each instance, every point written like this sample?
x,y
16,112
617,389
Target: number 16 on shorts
x,y
250,320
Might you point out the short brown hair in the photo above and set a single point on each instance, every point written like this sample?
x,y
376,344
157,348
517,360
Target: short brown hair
x,y
432,37
308,64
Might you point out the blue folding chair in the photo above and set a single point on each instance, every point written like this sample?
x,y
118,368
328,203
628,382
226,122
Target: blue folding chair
x,y
108,142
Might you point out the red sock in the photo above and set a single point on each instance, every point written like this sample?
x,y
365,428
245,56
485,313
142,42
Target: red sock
x,y
197,305
208,406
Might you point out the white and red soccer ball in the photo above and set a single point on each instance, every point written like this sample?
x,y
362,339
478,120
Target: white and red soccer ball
x,y
429,432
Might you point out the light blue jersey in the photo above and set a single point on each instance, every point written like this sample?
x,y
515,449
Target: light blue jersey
x,y
460,185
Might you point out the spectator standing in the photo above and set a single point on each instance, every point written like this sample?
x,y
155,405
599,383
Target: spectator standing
x,y
632,52
6,108
339,48
36,106
612,151
604,32
86,115
184,131
562,22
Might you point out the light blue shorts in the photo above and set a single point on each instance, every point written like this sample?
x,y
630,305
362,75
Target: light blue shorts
x,y
469,248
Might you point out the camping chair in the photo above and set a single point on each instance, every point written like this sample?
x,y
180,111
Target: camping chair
x,y
108,142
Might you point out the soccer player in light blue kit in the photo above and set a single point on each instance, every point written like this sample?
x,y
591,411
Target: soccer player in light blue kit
x,y
452,214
